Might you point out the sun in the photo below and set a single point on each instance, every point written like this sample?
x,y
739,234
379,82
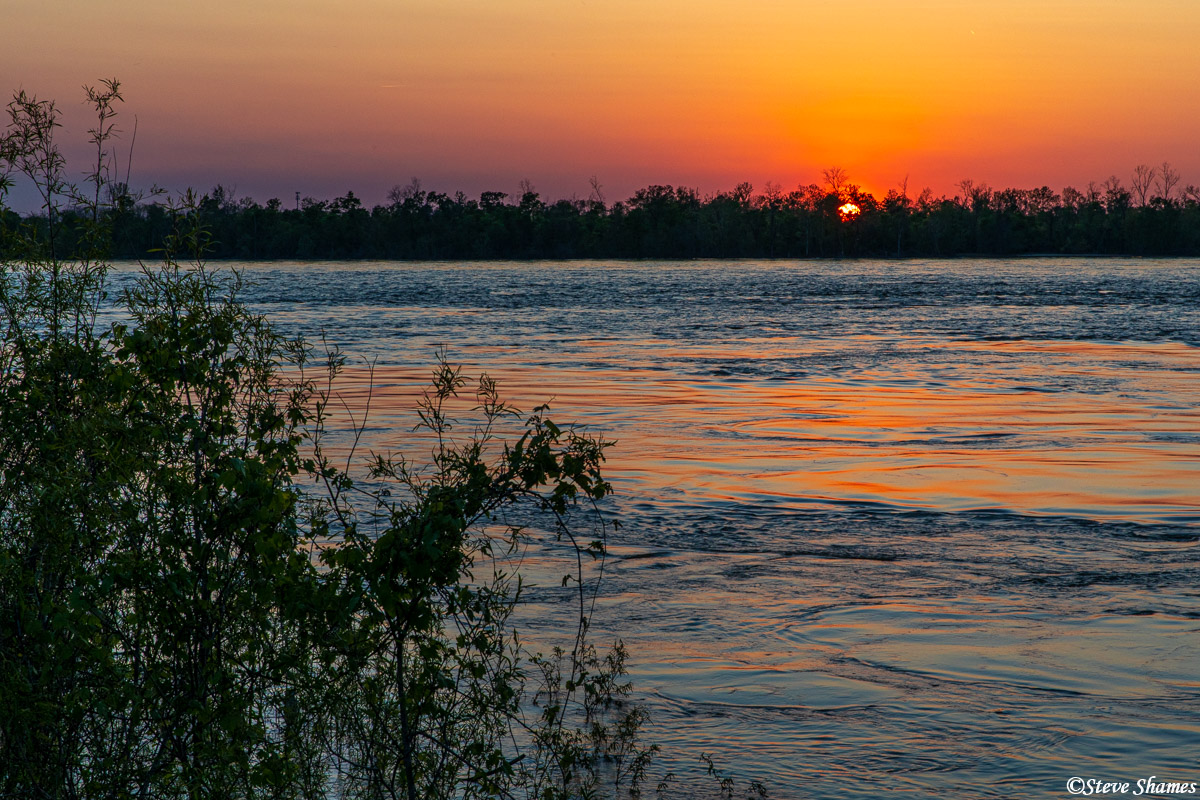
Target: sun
x,y
849,211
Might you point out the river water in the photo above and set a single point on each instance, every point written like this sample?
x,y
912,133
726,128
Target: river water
x,y
890,529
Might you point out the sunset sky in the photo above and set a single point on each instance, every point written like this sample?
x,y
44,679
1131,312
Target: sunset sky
x,y
272,98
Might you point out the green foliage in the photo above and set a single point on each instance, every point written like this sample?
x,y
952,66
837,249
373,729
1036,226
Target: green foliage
x,y
150,553
196,601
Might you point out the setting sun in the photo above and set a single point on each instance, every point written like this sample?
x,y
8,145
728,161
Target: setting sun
x,y
849,211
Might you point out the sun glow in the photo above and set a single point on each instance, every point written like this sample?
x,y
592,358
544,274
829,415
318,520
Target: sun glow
x,y
848,211
477,95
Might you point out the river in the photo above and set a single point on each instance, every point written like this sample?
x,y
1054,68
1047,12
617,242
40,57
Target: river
x,y
889,529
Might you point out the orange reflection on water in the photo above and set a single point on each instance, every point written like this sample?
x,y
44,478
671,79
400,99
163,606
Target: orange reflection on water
x,y
899,440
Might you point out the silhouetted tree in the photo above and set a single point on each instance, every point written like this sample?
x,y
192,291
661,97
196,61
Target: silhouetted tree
x,y
1166,180
1143,178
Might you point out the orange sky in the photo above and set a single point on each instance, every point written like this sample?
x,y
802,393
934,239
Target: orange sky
x,y
320,97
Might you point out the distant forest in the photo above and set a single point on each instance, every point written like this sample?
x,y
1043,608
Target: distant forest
x,y
836,219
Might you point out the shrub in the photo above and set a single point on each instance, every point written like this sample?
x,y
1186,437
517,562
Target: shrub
x,y
195,601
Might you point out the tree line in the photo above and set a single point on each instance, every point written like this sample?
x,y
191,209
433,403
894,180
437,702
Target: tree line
x,y
836,218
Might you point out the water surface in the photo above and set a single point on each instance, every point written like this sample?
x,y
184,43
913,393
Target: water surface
x,y
891,529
